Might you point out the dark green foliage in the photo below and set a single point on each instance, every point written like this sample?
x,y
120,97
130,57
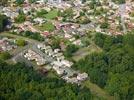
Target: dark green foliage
x,y
119,1
112,69
104,25
55,42
20,19
19,2
18,82
41,13
70,50
4,55
3,22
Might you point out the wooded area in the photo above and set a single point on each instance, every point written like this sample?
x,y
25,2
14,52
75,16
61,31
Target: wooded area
x,y
112,69
19,82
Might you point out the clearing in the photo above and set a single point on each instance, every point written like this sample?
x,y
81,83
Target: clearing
x,y
82,52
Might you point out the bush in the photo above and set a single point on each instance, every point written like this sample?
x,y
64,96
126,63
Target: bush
x,y
5,55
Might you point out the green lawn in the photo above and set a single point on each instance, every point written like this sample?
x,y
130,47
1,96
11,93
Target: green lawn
x,y
82,52
48,26
52,14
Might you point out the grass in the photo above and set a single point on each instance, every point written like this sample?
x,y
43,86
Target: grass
x,y
82,52
97,90
48,26
52,14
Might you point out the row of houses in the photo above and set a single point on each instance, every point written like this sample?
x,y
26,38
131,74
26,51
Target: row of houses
x,y
77,79
62,66
33,56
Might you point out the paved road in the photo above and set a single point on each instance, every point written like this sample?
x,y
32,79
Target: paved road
x,y
49,59
122,9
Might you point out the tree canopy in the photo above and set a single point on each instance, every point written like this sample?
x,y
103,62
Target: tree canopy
x,y
112,69
19,82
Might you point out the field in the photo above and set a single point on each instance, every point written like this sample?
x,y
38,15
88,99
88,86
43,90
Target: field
x,y
52,14
48,26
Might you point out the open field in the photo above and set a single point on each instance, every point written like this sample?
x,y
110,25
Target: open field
x,y
81,53
52,14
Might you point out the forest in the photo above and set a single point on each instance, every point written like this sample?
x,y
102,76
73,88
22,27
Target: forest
x,y
112,69
19,82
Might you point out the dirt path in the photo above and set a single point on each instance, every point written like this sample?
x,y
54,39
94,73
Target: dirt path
x,y
96,90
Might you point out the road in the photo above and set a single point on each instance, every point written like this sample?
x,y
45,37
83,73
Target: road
x,y
31,42
49,59
20,37
122,9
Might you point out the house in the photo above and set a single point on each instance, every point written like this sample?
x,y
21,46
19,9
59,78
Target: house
x,y
59,70
67,63
46,33
56,50
41,61
6,44
49,50
50,53
26,10
82,77
40,1
60,58
72,80
57,55
72,39
77,42
39,46
39,21
31,55
54,1
47,47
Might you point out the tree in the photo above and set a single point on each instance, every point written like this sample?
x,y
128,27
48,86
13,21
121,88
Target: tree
x,y
70,50
3,22
20,19
104,25
41,13
19,2
32,1
56,43
19,82
99,39
20,42
112,69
